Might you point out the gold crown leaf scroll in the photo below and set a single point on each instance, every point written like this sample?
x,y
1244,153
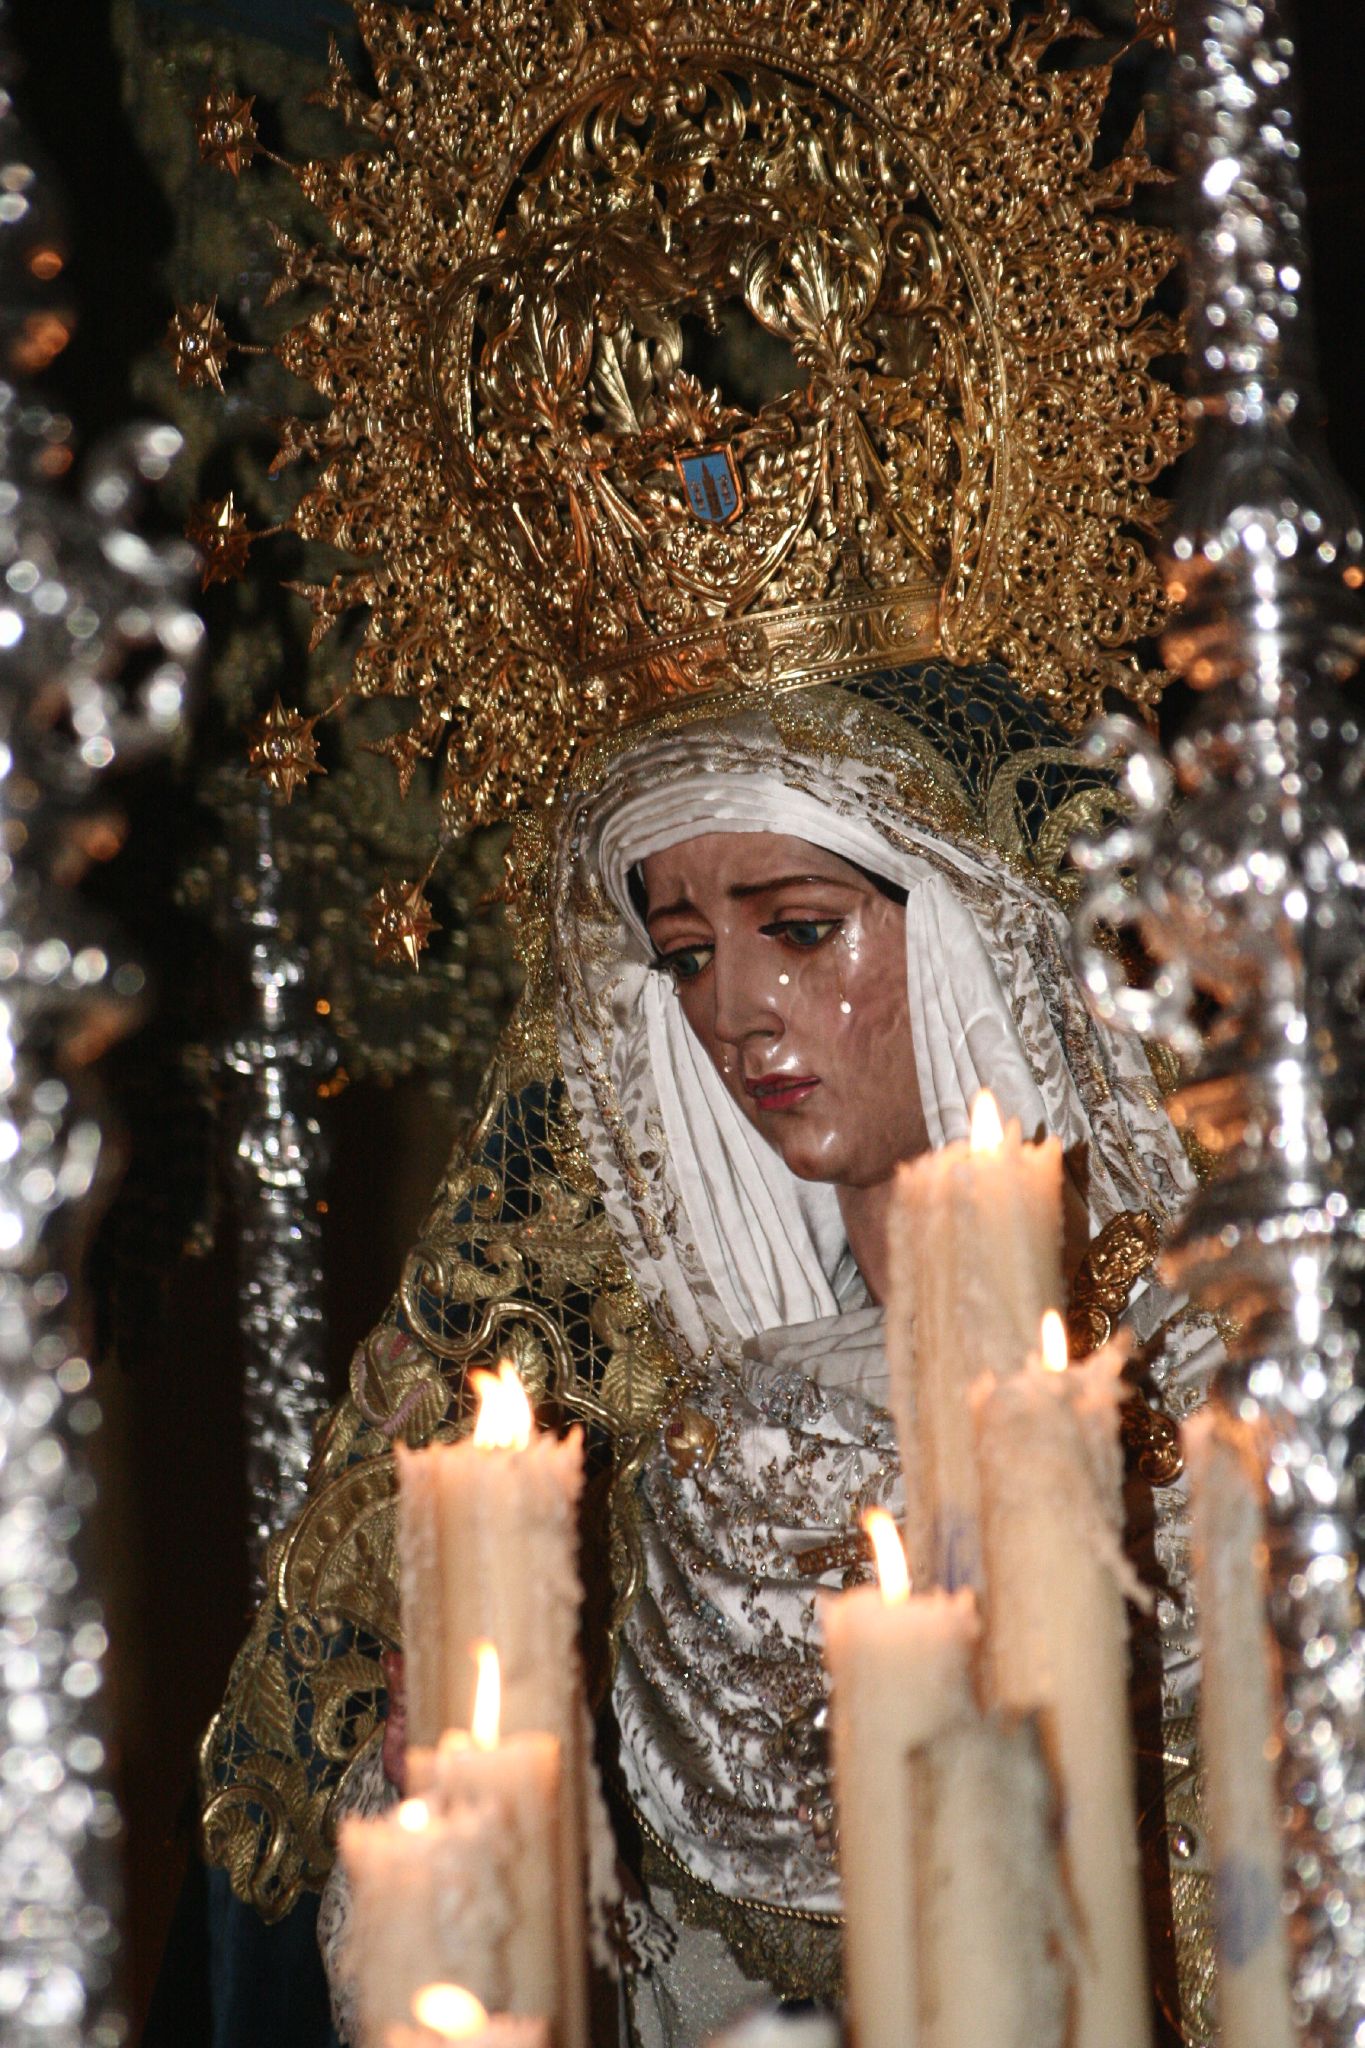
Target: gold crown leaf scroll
x,y
944,442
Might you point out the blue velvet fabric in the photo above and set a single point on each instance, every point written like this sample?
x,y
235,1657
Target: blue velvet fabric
x,y
231,1981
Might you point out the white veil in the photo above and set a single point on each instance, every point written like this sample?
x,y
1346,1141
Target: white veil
x,y
723,1239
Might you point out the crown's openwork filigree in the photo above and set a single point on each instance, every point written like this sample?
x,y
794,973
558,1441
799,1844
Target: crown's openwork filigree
x,y
666,346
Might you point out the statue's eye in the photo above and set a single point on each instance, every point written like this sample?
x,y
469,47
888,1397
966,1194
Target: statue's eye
x,y
805,932
686,963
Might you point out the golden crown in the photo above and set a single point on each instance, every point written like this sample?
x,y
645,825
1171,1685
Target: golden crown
x,y
673,345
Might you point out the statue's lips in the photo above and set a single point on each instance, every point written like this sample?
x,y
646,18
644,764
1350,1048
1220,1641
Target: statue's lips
x,y
784,1091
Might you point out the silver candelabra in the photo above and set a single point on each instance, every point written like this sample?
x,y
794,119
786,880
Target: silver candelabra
x,y
96,645
81,593
1250,895
280,1162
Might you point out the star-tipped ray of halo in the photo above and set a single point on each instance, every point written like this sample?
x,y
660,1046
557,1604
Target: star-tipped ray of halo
x,y
228,133
226,130
197,343
1153,22
400,920
223,539
200,346
283,750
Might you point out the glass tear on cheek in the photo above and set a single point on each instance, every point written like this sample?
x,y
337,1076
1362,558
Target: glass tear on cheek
x,y
846,1006
783,980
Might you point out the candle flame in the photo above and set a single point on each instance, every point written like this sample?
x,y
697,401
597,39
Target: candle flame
x,y
988,1133
414,1815
892,1570
483,1724
1055,1355
504,1419
449,2010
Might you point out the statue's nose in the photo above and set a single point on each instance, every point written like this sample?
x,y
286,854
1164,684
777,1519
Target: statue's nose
x,y
748,990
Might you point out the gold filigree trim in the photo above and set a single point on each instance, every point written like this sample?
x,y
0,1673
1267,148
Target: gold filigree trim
x,y
797,1953
1176,1847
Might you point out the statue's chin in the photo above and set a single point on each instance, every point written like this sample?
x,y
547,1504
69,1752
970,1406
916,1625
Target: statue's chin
x,y
813,1157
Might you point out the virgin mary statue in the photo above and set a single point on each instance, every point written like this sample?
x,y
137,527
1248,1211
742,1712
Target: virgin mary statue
x,y
787,693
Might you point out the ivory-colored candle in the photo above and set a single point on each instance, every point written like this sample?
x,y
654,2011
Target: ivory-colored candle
x,y
443,2013
899,1667
1057,1646
488,1540
992,1916
975,1246
1239,1724
488,1543
780,2027
517,1777
428,1901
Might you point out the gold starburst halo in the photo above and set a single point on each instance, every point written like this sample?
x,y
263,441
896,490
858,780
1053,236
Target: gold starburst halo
x,y
560,520
284,751
401,923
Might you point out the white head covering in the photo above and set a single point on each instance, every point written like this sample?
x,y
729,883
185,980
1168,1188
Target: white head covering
x,y
723,1238
739,1195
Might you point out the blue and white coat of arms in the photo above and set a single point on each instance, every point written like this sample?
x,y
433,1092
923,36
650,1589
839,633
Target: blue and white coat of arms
x,y
712,484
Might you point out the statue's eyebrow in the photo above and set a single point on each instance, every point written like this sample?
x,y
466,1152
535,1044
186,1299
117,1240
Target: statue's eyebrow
x,y
739,891
678,909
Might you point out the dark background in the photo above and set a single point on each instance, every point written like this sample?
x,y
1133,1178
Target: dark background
x,y
175,1502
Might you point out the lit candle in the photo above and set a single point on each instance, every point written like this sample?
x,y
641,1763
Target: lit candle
x,y
1240,1729
1056,1645
974,1239
899,1668
516,1777
488,1540
447,2012
427,1901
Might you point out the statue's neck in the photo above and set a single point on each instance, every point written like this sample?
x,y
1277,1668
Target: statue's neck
x,y
865,1212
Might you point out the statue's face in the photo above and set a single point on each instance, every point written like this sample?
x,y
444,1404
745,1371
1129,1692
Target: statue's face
x,y
790,968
